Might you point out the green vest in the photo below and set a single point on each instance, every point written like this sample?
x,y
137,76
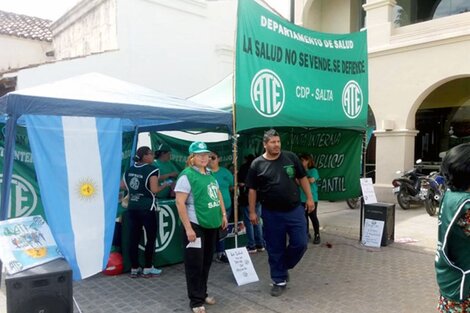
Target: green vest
x,y
137,182
453,248
206,198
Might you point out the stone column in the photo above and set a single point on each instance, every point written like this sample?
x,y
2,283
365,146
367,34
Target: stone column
x,y
395,151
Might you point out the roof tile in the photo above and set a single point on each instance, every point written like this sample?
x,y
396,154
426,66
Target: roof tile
x,y
24,26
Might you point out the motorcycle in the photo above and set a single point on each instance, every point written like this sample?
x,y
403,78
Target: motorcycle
x,y
432,188
407,188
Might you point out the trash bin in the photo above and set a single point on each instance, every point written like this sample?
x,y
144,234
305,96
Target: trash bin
x,y
382,212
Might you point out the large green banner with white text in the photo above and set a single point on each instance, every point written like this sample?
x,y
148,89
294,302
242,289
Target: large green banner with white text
x,y
337,153
25,198
287,75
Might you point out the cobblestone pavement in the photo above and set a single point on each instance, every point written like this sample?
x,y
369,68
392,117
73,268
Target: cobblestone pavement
x,y
340,275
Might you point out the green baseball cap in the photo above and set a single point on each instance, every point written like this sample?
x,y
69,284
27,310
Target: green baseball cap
x,y
198,147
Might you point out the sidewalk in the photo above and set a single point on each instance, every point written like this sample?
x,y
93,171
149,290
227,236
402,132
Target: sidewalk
x,y
344,278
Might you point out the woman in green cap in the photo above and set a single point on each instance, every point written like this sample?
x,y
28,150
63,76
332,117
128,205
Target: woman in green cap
x,y
202,212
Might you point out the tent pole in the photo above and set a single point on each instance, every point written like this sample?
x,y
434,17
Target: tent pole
x,y
364,155
10,140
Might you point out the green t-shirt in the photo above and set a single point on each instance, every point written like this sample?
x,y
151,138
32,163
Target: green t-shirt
x,y
165,168
137,180
311,173
225,180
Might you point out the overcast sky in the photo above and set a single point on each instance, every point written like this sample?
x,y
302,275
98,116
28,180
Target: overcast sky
x,y
53,9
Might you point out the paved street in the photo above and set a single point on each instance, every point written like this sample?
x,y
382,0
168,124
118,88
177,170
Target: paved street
x,y
341,276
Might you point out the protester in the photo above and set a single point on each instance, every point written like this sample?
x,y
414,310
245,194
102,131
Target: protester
x,y
273,175
168,171
453,246
225,180
141,182
254,233
312,175
202,212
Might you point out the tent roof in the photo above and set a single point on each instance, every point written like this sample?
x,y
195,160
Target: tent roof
x,y
218,96
98,95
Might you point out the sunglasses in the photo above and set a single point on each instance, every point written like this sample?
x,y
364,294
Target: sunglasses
x,y
213,157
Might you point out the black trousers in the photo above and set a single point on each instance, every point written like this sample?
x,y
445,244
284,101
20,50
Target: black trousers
x,y
314,218
197,263
137,220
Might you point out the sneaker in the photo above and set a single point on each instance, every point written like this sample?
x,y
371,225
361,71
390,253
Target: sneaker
x,y
199,309
222,258
135,272
150,272
260,249
209,300
278,289
316,240
252,250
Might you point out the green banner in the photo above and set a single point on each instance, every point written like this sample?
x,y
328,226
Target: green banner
x,y
287,75
179,149
25,198
337,153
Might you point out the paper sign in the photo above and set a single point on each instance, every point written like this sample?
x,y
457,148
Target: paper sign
x,y
26,242
242,267
195,244
373,231
368,191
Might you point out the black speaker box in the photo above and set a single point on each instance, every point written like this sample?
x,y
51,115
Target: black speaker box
x,y
46,288
382,212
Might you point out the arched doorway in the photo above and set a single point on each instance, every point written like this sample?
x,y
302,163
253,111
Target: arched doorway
x,y
443,121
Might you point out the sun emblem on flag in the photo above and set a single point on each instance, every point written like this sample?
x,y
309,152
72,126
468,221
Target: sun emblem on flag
x,y
87,189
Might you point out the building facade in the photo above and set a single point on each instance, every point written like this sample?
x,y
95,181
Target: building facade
x,y
419,76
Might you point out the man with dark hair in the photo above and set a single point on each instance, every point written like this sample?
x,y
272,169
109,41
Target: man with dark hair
x,y
273,176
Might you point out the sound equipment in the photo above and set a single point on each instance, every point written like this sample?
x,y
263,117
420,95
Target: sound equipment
x,y
382,212
46,288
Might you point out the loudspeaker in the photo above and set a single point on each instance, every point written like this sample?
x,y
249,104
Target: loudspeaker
x,y
46,288
383,212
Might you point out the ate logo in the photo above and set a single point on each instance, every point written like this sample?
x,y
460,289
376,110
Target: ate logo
x,y
166,228
23,197
352,99
267,93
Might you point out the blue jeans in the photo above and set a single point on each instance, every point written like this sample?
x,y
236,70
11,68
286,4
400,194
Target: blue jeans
x,y
277,225
254,233
220,246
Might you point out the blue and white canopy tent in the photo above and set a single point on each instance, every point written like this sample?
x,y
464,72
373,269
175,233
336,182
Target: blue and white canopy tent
x,y
75,130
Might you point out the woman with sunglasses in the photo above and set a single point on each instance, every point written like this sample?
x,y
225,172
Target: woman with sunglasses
x,y
202,212
225,180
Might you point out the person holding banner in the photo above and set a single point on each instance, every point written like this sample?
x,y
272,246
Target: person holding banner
x,y
312,174
141,182
453,246
202,212
273,176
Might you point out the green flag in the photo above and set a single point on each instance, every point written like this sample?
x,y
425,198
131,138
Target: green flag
x,y
287,75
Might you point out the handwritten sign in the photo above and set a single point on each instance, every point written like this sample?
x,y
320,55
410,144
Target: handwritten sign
x,y
368,192
373,232
26,242
242,267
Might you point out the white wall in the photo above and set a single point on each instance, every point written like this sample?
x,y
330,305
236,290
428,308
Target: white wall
x,y
18,52
178,47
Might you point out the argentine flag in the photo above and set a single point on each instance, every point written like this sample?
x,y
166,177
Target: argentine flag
x,y
78,165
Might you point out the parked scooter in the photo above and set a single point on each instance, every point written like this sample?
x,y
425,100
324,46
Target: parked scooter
x,y
407,188
432,188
